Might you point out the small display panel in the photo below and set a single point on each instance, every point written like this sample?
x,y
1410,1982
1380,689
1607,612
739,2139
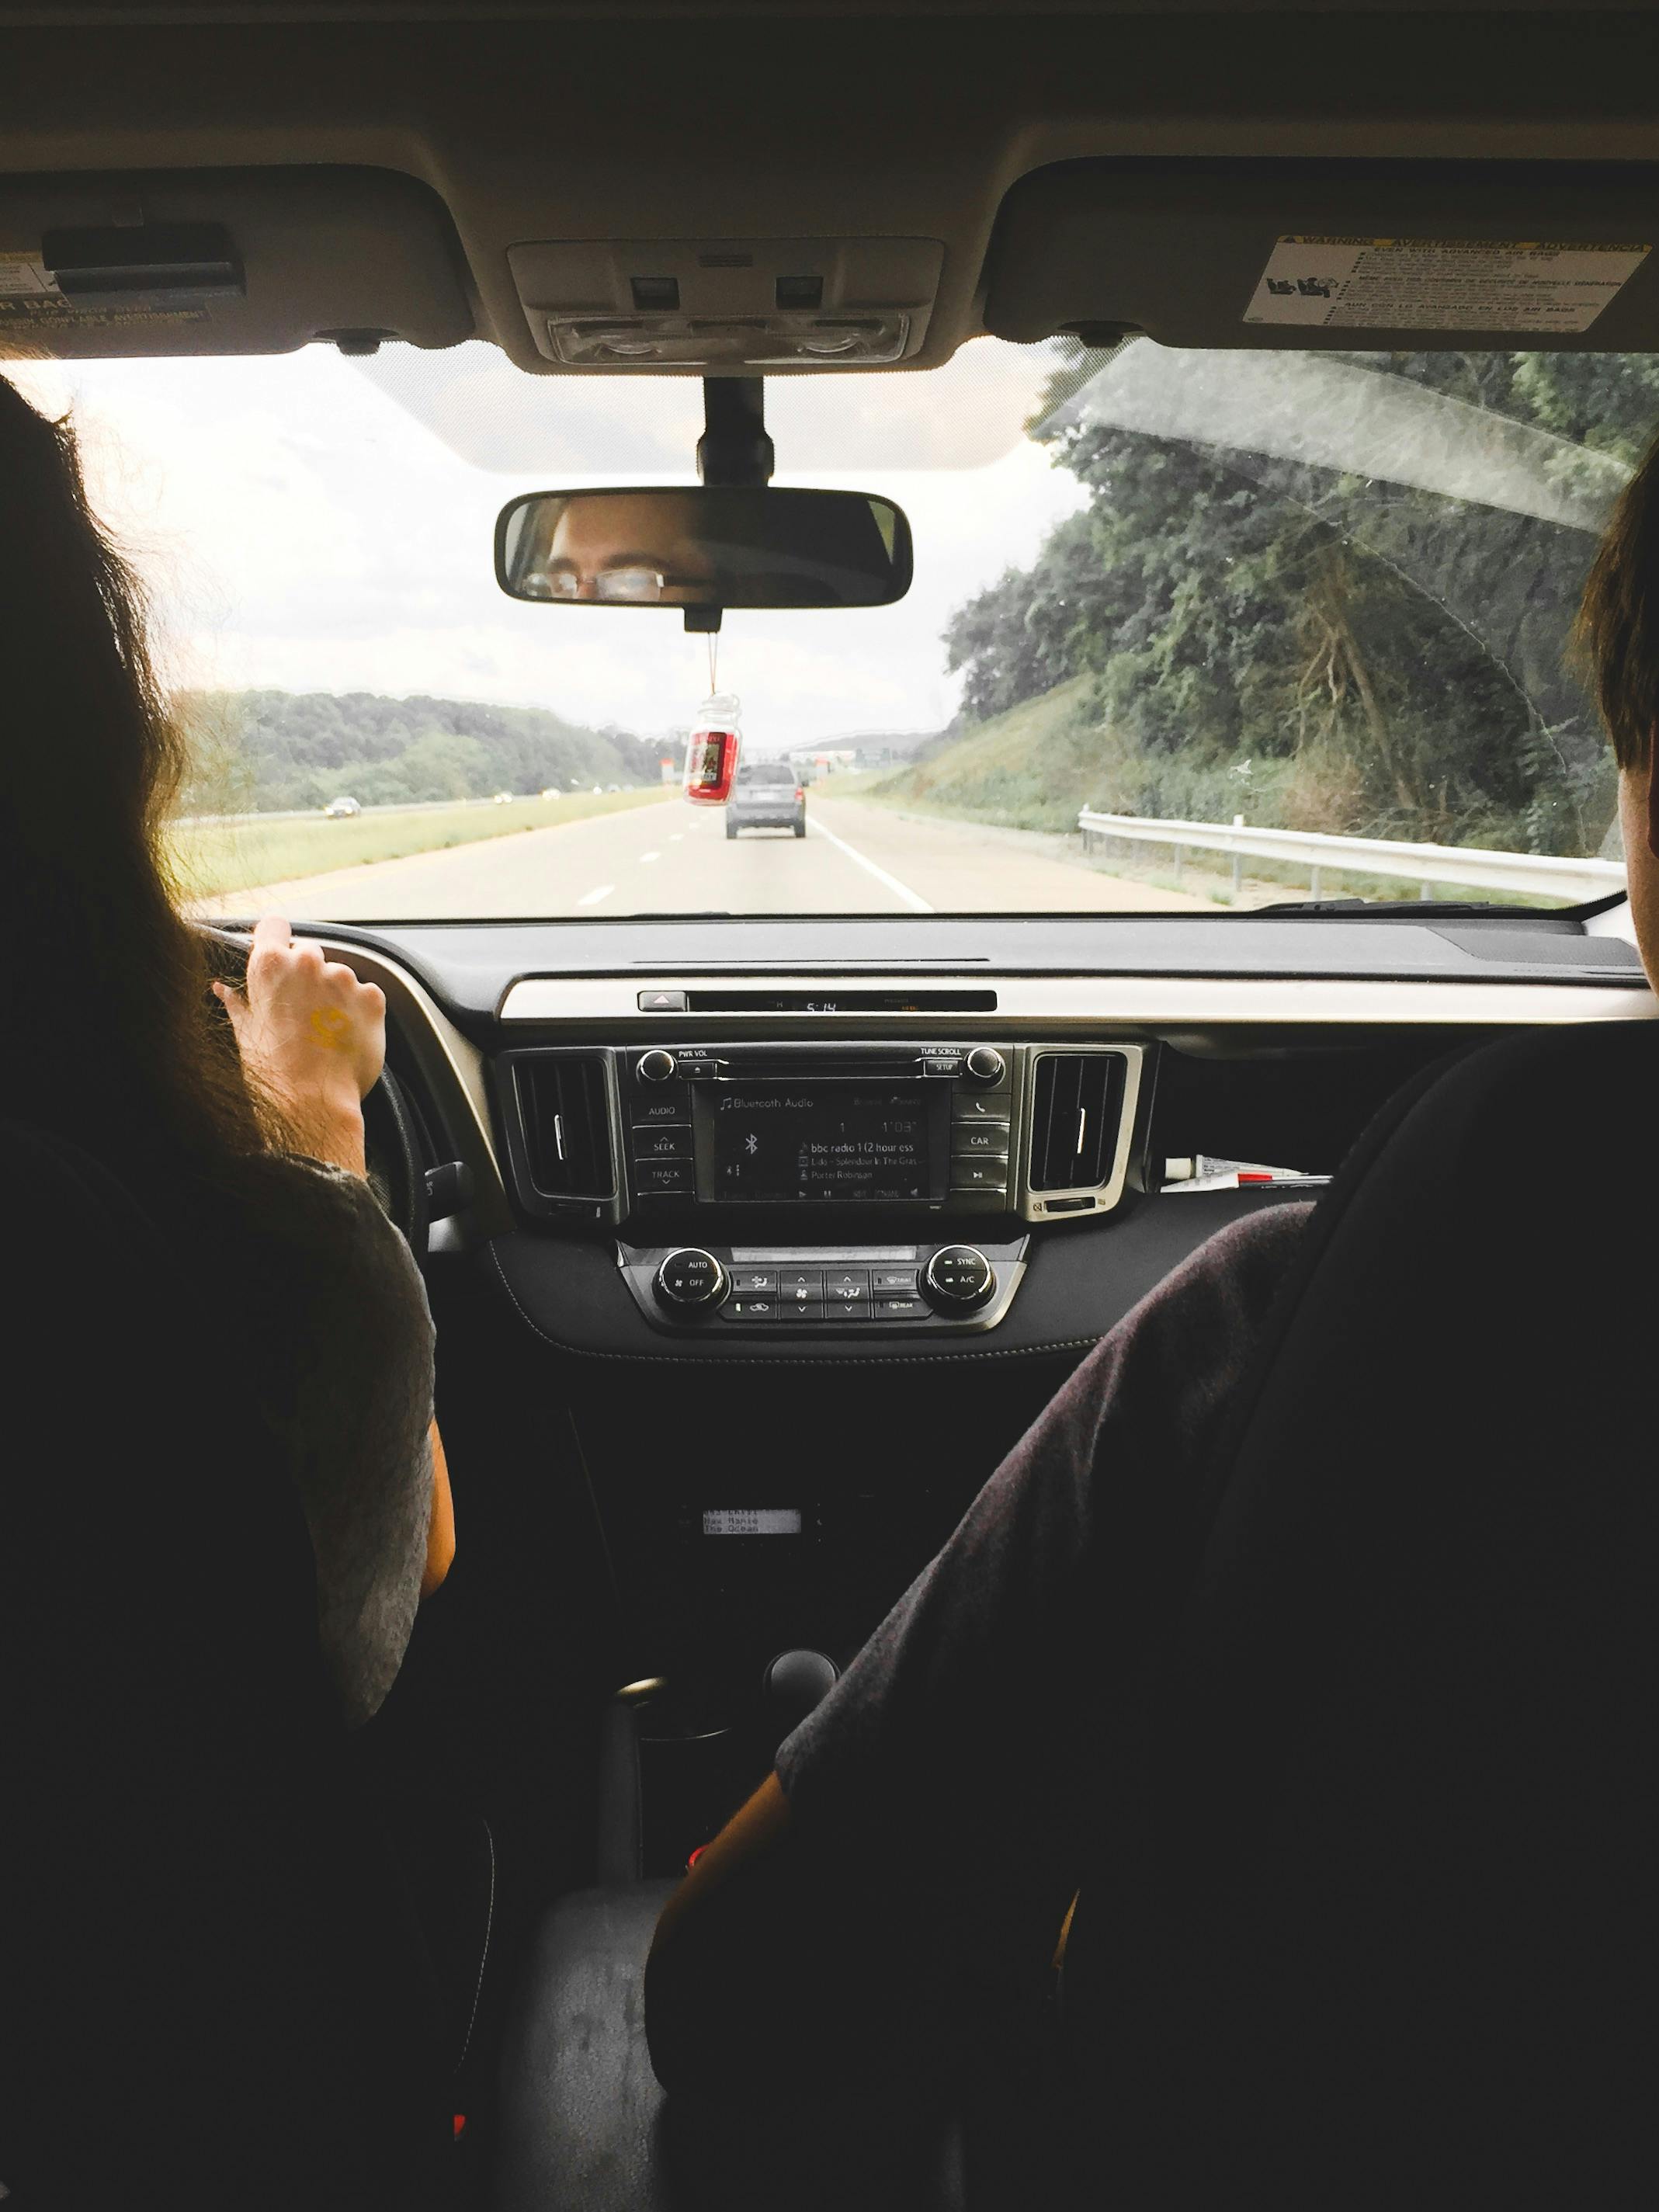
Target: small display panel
x,y
752,1520
842,1141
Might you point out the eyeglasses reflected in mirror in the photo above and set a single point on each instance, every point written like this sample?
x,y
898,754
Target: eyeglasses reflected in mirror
x,y
699,546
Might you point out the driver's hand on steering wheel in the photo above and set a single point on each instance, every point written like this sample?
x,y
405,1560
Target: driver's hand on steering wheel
x,y
310,1037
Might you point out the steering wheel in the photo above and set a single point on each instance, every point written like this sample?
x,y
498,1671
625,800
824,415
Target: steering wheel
x,y
391,1142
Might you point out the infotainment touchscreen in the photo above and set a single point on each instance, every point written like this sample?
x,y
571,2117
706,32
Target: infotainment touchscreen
x,y
832,1141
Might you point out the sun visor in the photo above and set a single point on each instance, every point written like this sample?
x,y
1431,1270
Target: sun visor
x,y
1376,256
226,261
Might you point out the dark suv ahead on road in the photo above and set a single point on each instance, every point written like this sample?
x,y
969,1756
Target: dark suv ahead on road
x,y
767,795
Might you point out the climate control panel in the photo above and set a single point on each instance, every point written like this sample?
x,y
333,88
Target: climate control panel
x,y
886,1287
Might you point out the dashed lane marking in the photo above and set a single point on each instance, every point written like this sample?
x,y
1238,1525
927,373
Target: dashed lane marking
x,y
598,891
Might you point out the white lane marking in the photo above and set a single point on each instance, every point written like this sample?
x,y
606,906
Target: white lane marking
x,y
650,856
675,836
917,905
598,891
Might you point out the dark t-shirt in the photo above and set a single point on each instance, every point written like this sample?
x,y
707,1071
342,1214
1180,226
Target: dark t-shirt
x,y
950,1742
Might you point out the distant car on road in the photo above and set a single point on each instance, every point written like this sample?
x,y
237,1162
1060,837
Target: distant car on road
x,y
766,796
502,799
551,792
341,810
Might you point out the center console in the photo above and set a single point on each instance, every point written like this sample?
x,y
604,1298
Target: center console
x,y
871,1188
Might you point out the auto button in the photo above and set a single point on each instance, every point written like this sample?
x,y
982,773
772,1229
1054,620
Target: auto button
x,y
689,1280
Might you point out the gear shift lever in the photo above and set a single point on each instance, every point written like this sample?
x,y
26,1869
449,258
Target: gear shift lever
x,y
791,1684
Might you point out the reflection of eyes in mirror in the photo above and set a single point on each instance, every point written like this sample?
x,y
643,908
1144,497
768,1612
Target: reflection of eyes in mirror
x,y
705,546
620,550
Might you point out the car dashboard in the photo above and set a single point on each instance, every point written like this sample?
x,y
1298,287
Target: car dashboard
x,y
755,1245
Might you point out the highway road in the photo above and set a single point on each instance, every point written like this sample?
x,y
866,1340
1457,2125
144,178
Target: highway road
x,y
677,858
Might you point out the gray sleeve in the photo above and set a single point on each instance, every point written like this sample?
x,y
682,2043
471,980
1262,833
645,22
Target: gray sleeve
x,y
356,1418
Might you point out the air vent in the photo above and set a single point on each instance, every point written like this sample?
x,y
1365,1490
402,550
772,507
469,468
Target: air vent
x,y
1075,1109
564,1111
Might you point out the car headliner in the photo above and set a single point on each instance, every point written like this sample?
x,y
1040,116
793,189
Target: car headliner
x,y
800,118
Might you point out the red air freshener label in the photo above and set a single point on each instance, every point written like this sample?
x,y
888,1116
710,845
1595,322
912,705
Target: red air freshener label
x,y
711,762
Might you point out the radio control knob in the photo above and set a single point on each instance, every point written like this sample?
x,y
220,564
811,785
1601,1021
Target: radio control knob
x,y
986,1064
654,1066
690,1280
958,1278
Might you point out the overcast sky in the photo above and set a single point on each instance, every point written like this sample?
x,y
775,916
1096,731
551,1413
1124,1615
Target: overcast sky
x,y
301,528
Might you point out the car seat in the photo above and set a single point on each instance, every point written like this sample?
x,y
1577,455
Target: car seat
x,y
213,1992
1374,1918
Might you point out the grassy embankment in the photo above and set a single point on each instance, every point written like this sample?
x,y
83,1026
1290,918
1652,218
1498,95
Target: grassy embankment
x,y
232,856
1037,766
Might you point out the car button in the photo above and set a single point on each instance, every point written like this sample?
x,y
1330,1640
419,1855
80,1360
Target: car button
x,y
663,1178
942,1063
752,1282
750,1309
902,1310
847,1287
793,1311
801,1282
892,1282
979,1175
671,1140
975,1106
662,1002
990,1137
673,1104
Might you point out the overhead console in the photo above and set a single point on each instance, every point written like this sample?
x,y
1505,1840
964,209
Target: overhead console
x,y
728,303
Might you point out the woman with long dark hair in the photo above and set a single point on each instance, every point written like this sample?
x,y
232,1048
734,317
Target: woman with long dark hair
x,y
243,1135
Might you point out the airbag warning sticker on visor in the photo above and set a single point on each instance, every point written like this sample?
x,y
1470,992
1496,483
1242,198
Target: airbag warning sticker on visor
x,y
50,310
1439,284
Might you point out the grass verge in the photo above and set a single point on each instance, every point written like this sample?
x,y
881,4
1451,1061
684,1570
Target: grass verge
x,y
234,856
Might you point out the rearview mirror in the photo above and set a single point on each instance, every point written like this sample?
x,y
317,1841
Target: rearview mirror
x,y
703,546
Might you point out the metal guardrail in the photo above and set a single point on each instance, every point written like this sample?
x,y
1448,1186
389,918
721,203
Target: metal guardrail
x,y
1470,867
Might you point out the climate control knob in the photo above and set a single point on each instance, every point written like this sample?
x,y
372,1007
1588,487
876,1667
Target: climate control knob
x,y
958,1278
986,1064
654,1066
689,1280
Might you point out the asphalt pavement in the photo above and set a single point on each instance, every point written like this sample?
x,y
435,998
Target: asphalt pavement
x,y
856,858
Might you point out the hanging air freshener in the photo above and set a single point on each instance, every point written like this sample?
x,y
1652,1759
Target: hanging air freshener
x,y
711,751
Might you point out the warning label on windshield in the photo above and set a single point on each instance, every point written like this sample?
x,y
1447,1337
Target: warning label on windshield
x,y
1439,284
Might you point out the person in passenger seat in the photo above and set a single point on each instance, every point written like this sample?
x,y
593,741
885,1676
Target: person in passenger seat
x,y
904,1874
251,1159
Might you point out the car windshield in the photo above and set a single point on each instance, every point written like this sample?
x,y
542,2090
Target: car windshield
x,y
1188,630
